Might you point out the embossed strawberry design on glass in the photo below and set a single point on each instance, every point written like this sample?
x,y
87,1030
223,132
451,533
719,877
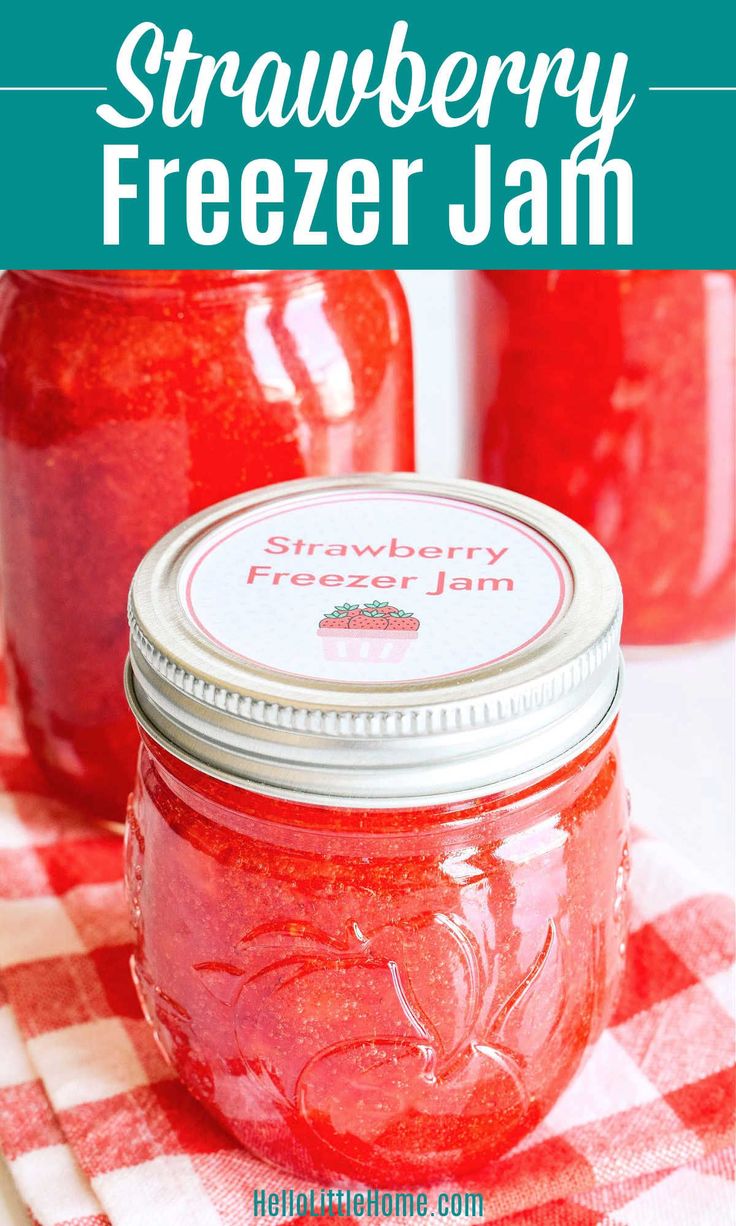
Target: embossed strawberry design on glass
x,y
378,997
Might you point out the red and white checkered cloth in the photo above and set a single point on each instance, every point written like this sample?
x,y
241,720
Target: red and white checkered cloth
x,y
96,1132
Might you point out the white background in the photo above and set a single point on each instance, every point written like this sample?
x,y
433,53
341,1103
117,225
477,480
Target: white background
x,y
677,728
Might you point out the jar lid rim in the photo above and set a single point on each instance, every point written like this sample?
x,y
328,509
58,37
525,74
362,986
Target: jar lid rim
x,y
376,744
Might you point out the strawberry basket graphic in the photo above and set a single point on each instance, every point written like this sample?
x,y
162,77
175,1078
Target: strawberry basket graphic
x,y
376,632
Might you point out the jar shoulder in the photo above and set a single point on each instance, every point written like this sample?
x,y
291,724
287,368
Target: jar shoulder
x,y
332,342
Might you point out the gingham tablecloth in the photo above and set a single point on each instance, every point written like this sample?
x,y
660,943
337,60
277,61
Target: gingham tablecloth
x,y
96,1131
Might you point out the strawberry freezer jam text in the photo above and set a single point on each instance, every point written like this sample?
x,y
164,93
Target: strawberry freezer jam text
x,y
443,582
391,549
394,548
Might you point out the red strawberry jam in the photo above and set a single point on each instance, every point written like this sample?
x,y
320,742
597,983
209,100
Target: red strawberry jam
x,y
387,998
610,395
128,401
378,899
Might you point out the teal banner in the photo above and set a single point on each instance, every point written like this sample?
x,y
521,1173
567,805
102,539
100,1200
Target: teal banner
x,y
403,134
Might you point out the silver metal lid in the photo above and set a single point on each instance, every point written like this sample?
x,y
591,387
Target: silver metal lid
x,y
479,652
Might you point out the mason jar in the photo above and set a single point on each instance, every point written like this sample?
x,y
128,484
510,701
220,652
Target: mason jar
x,y
376,856
611,395
130,400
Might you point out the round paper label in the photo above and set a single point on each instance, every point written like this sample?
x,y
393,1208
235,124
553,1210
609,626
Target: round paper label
x,y
373,587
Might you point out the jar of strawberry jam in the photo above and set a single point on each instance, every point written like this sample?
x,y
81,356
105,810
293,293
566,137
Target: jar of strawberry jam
x,y
376,854
611,395
129,400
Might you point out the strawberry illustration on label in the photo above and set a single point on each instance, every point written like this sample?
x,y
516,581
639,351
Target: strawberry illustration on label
x,y
399,620
339,618
375,631
381,606
368,619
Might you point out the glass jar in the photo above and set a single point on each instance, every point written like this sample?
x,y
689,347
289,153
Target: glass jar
x,y
129,400
610,395
376,856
